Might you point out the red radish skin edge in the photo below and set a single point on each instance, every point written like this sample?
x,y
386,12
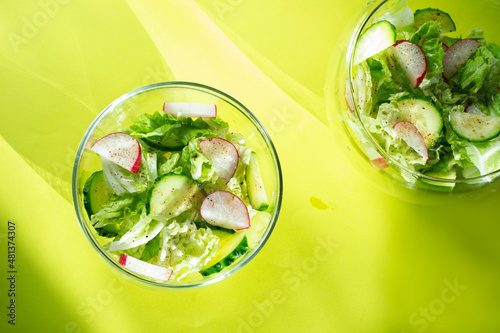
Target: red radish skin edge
x,y
137,164
135,167
123,259
379,163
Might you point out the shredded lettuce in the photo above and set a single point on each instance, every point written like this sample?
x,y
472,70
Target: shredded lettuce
x,y
164,130
476,34
142,232
383,86
482,69
185,248
120,180
428,38
195,164
118,215
476,158
169,163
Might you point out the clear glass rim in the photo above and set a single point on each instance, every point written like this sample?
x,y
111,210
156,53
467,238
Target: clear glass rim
x,y
205,89
353,43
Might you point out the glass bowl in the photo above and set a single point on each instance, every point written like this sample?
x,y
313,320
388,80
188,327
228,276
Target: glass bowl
x,y
121,113
361,147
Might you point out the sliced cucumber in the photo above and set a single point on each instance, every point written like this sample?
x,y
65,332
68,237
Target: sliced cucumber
x,y
474,127
203,224
256,191
167,143
95,193
173,194
375,39
400,15
440,186
95,196
232,247
424,114
259,223
432,14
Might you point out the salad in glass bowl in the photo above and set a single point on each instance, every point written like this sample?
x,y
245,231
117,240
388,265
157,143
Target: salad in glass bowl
x,y
169,192
423,98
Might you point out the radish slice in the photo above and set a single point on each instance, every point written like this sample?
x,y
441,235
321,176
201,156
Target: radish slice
x,y
472,108
348,96
144,268
223,156
190,109
377,161
412,59
121,149
226,210
410,134
457,55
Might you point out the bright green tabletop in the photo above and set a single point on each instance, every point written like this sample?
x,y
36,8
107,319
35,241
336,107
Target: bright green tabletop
x,y
344,256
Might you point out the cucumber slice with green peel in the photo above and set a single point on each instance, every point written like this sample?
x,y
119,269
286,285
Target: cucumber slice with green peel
x,y
95,193
95,196
256,191
259,223
474,127
203,224
432,14
438,185
232,247
172,144
424,114
400,15
173,194
375,39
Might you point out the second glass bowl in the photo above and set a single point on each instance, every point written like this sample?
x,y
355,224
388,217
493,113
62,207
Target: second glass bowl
x,y
361,147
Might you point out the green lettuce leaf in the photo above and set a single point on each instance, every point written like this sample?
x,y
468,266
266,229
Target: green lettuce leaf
x,y
162,130
195,164
494,49
118,215
494,105
481,70
484,157
383,86
476,158
151,249
476,34
169,163
428,38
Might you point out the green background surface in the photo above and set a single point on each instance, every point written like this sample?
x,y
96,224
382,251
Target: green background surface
x,y
344,256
